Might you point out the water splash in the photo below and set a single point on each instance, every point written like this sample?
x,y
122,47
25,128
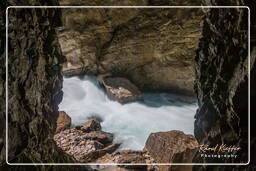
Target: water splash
x,y
131,123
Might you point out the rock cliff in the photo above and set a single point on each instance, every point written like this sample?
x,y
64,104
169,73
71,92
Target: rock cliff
x,y
154,48
222,83
34,86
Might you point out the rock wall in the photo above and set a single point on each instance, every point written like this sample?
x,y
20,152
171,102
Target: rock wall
x,y
154,48
222,83
34,86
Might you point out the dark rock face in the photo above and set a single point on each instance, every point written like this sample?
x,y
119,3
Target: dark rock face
x,y
154,48
222,83
172,147
120,89
34,86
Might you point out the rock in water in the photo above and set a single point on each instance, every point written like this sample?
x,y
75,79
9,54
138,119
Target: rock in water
x,y
121,89
63,121
172,147
91,125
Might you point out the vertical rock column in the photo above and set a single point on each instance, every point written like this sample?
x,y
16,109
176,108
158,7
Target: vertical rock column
x,y
222,82
34,86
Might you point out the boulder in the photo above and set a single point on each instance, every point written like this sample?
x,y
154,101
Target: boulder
x,y
172,147
93,155
95,116
121,89
129,156
100,136
126,157
63,121
91,125
86,146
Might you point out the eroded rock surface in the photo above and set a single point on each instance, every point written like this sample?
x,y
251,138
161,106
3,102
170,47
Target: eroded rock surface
x,y
154,48
34,86
222,83
120,89
86,145
172,147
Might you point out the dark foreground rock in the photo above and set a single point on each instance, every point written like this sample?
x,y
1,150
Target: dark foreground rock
x,y
88,144
120,89
34,87
63,122
172,147
222,84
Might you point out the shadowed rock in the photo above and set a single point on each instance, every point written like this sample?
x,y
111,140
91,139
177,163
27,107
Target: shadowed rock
x,y
63,122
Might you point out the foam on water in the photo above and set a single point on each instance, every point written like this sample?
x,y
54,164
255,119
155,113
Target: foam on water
x,y
131,123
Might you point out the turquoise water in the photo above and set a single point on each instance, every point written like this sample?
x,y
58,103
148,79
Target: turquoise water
x,y
131,123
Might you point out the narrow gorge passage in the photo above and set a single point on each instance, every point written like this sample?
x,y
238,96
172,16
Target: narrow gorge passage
x,y
133,122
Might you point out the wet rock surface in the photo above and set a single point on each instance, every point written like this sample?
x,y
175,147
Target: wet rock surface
x,y
86,145
90,125
120,89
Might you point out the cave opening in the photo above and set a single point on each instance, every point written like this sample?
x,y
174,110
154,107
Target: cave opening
x,y
128,47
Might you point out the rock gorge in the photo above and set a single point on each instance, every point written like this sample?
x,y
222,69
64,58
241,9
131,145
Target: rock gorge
x,y
32,118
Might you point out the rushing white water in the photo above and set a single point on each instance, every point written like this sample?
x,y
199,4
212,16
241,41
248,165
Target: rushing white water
x,y
131,123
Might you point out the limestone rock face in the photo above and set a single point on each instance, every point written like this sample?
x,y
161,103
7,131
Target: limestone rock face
x,y
154,48
63,121
222,83
172,147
